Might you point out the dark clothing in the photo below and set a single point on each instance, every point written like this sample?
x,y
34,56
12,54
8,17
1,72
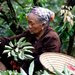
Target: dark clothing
x,y
48,42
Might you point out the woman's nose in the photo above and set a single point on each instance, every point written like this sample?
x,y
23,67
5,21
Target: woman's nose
x,y
30,26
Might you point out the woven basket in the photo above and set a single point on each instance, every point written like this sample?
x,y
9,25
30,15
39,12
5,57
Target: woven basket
x,y
56,60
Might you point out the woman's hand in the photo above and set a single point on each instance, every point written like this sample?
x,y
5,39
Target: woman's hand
x,y
2,41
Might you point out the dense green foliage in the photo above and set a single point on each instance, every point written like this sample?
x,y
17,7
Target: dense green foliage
x,y
14,72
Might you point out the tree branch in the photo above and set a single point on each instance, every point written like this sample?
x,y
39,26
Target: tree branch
x,y
11,10
14,20
37,3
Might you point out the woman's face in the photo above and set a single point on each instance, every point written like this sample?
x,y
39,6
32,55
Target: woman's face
x,y
35,26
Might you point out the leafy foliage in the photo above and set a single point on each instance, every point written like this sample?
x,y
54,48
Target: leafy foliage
x,y
31,68
66,71
14,72
43,72
9,72
18,49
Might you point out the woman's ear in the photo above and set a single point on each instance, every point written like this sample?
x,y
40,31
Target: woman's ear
x,y
52,17
43,25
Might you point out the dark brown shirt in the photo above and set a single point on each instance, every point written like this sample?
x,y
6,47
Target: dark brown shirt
x,y
48,42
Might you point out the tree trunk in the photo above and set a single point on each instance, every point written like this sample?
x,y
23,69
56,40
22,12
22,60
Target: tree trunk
x,y
70,47
71,40
70,3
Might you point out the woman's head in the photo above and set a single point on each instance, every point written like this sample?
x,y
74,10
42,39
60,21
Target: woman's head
x,y
38,18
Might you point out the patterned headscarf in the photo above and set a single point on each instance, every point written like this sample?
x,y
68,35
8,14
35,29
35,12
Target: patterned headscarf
x,y
43,13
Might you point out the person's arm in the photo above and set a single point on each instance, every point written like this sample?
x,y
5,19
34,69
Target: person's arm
x,y
5,40
17,36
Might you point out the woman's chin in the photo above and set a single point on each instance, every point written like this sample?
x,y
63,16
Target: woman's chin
x,y
31,32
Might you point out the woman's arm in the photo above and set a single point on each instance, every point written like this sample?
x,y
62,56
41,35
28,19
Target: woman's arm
x,y
6,40
18,36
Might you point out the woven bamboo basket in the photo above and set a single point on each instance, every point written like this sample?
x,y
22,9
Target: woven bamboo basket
x,y
56,60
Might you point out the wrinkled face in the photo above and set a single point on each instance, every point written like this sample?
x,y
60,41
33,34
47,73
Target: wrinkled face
x,y
35,26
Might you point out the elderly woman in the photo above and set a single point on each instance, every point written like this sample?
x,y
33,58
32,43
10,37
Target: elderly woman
x,y
42,37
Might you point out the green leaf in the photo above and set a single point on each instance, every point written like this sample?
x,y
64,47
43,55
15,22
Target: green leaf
x,y
26,50
9,54
4,73
66,71
17,50
20,40
29,56
28,47
31,68
57,72
11,44
22,44
8,47
9,72
9,32
15,58
22,72
13,53
27,43
21,55
45,73
6,51
15,42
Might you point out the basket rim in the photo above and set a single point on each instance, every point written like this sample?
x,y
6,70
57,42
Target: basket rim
x,y
57,54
